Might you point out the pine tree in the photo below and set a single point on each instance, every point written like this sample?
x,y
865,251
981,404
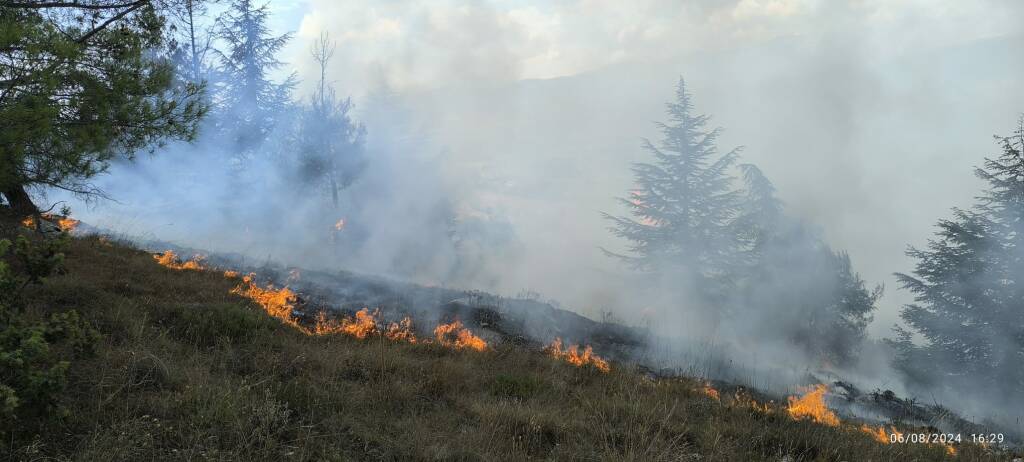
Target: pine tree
x,y
83,83
331,144
969,295
683,203
249,103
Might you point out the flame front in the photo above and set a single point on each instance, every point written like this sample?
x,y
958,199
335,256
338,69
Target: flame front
x,y
279,303
812,405
710,392
171,260
878,434
401,331
360,326
572,355
454,335
66,224
340,225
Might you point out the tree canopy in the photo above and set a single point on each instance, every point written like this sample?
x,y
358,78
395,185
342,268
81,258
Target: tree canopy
x,y
82,83
969,297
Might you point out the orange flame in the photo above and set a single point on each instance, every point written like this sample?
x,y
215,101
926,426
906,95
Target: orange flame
x,y
66,224
878,434
454,335
743,399
710,392
171,260
401,331
279,303
360,326
572,355
812,405
340,225
881,436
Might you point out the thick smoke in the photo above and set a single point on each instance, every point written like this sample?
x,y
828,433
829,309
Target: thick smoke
x,y
507,132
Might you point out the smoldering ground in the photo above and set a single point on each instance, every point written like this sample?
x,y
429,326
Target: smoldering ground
x,y
489,164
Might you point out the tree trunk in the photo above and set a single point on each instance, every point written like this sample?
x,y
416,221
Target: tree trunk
x,y
21,202
334,192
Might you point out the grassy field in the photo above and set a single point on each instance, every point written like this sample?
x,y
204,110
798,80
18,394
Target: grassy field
x,y
186,370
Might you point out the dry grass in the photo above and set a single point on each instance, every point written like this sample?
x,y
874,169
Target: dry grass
x,y
188,371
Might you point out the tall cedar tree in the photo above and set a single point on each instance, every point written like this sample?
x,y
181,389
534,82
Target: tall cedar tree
x,y
968,287
82,83
250,104
683,204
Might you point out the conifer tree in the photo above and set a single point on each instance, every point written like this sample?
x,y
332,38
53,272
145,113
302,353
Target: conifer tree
x,y
330,143
683,202
249,103
792,285
83,83
968,287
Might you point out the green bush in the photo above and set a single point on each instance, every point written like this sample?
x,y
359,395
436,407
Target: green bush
x,y
34,356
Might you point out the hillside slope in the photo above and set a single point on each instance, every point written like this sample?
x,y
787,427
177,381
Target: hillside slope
x,y
187,369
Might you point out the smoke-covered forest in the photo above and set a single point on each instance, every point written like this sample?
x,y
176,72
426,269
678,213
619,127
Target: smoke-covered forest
x,y
851,216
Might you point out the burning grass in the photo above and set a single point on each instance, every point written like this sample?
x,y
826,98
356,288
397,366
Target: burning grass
x,y
893,436
278,303
812,405
171,260
710,392
574,356
455,335
401,331
66,224
186,370
359,326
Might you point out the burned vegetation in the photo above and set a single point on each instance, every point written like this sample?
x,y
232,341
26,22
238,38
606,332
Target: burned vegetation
x,y
195,360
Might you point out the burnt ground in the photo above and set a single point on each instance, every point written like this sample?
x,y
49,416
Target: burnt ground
x,y
533,324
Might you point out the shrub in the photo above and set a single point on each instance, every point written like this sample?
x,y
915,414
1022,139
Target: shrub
x,y
34,356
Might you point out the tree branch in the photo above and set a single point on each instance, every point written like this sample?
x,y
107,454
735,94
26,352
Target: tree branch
x,y
130,8
81,5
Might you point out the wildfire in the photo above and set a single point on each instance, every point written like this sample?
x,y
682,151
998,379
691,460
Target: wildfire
x,y
572,355
279,303
881,436
401,331
359,326
710,392
743,399
340,225
878,434
66,224
812,405
171,260
362,325
454,335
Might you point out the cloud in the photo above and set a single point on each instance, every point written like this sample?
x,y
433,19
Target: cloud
x,y
424,44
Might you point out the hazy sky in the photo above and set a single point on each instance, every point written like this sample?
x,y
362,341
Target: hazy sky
x,y
439,43
868,115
